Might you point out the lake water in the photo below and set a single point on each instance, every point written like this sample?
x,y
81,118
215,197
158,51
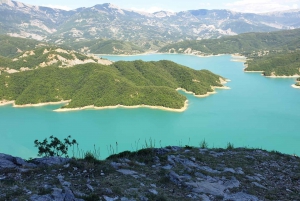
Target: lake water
x,y
257,112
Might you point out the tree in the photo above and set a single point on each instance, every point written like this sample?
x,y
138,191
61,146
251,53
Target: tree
x,y
54,147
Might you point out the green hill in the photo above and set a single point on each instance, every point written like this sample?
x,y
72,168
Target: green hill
x,y
125,83
102,46
276,64
47,56
274,53
243,43
12,46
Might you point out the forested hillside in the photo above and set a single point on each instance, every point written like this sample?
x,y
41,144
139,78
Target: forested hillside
x,y
243,43
47,56
101,46
276,64
126,83
12,46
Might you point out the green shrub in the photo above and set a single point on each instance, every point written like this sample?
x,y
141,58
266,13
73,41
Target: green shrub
x,y
230,146
54,147
203,144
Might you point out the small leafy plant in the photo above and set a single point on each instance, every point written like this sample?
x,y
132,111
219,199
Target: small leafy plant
x,y
54,146
203,144
230,146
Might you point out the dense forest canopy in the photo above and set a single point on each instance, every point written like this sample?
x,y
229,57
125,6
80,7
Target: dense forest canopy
x,y
276,64
101,46
13,46
46,56
125,83
273,53
243,43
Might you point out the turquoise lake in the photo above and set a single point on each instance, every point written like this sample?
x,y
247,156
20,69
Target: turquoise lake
x,y
257,112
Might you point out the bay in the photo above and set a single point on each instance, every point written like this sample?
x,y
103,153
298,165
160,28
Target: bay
x,y
257,112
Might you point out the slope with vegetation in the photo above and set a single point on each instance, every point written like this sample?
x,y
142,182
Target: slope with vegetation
x,y
276,64
13,46
244,44
125,83
46,56
274,54
101,46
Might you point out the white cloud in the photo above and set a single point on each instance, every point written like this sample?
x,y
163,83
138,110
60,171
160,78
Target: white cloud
x,y
261,6
58,7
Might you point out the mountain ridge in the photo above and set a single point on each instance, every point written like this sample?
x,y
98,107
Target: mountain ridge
x,y
108,21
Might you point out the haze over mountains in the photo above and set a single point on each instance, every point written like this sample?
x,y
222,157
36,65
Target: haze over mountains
x,y
107,21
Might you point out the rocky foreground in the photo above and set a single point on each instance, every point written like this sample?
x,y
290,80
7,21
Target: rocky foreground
x,y
171,173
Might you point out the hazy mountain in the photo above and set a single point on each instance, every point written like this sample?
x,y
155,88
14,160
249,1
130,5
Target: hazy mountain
x,y
107,21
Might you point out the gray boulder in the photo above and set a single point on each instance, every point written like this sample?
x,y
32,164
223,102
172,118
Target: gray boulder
x,y
241,197
207,188
48,161
8,161
57,195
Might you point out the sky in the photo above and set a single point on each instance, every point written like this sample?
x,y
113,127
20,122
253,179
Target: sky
x,y
252,6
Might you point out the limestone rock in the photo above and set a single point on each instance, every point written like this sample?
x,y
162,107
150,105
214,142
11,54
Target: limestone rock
x,y
48,161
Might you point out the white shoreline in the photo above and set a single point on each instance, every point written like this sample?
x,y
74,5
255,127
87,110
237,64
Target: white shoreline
x,y
5,102
199,96
255,71
207,94
155,52
275,76
209,55
127,55
238,58
144,106
295,86
283,76
271,76
41,104
123,106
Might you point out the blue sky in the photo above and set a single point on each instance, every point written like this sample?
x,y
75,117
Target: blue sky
x,y
255,6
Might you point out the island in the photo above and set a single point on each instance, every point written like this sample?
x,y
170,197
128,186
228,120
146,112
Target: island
x,y
121,84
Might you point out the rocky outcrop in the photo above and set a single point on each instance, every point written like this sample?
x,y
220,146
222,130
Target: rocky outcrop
x,y
171,173
10,162
58,194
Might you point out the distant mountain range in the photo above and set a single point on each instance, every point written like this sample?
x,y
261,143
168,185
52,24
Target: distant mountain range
x,y
107,21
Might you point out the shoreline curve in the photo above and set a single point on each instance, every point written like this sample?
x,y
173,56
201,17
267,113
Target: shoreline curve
x,y
124,106
41,104
5,102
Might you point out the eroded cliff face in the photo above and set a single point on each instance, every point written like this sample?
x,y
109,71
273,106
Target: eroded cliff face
x,y
171,173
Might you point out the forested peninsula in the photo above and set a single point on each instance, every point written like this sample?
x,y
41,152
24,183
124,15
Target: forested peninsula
x,y
121,83
276,64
